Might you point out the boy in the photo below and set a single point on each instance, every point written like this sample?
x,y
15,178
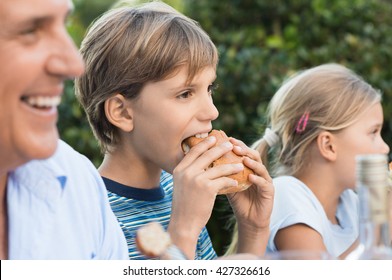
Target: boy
x,y
148,85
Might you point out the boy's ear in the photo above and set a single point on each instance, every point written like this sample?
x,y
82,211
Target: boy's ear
x,y
326,143
119,113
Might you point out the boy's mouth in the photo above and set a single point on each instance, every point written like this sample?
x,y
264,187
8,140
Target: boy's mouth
x,y
185,147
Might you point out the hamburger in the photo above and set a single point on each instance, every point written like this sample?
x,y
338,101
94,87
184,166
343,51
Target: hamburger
x,y
228,158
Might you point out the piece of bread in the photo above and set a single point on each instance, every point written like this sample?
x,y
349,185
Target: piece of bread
x,y
230,157
152,240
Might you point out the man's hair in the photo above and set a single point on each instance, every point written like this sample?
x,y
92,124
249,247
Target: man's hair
x,y
128,47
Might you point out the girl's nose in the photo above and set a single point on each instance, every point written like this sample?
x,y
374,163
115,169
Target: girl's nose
x,y
385,148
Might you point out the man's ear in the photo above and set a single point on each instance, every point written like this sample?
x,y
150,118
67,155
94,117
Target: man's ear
x,y
119,113
327,146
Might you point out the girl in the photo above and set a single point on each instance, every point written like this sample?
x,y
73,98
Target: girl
x,y
320,120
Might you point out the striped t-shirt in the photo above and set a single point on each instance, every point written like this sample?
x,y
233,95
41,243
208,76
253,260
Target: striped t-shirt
x,y
135,207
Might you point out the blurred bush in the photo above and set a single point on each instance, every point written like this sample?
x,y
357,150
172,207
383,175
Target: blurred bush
x,y
261,42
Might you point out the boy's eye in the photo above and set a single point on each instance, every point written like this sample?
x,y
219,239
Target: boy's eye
x,y
185,95
212,87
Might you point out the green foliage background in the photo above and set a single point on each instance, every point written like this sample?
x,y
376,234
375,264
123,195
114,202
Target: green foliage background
x,y
261,42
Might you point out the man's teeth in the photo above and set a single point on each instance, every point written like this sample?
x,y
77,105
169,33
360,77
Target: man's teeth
x,y
201,135
43,101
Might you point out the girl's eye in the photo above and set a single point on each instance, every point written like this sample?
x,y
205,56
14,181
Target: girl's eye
x,y
376,130
212,87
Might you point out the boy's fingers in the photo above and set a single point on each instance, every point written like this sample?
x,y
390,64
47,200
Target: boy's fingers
x,y
258,168
203,154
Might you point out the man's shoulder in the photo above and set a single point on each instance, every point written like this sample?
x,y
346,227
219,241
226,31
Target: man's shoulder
x,y
66,151
67,157
63,172
63,162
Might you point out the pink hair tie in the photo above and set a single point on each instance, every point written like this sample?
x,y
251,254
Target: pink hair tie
x,y
302,123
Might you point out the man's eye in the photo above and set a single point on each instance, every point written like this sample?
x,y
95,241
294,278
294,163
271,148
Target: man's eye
x,y
33,30
28,31
30,34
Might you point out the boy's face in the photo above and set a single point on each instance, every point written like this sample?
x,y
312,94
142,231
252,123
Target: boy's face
x,y
362,137
169,111
36,56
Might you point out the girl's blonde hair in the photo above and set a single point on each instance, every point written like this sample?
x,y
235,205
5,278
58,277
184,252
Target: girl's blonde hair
x,y
128,47
328,97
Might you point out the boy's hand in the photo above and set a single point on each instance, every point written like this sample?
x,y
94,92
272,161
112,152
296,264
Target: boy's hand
x,y
195,190
253,207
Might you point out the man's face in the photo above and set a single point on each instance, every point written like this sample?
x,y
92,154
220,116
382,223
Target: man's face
x,y
36,56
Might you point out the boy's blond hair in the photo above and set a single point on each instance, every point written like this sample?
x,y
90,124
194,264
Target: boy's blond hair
x,y
130,46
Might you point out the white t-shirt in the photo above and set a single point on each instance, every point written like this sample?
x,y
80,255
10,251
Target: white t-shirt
x,y
295,203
